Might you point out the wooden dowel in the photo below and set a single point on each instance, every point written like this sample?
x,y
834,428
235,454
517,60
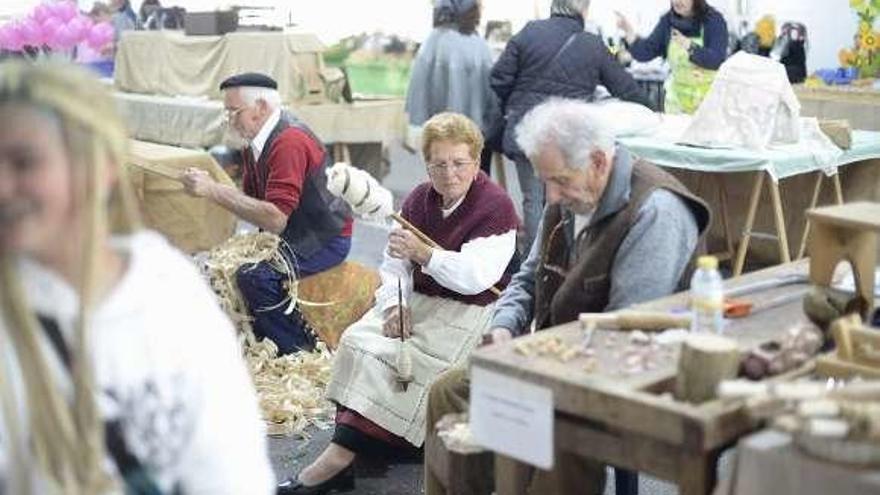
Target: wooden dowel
x,y
427,240
156,169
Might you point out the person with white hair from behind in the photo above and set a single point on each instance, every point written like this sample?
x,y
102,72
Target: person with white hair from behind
x,y
284,192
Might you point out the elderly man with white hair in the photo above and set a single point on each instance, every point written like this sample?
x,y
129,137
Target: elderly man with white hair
x,y
285,192
616,231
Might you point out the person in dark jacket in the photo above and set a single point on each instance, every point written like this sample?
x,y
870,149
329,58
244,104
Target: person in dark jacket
x,y
692,37
552,57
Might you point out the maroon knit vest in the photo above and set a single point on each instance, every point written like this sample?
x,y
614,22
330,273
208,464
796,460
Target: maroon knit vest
x,y
486,210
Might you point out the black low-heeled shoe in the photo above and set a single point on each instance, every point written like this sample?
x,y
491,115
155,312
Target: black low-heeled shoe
x,y
343,481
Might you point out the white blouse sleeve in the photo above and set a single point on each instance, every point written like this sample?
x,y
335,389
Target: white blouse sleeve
x,y
391,270
477,267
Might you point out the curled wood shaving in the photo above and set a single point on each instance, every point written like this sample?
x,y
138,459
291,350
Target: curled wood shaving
x,y
549,347
290,388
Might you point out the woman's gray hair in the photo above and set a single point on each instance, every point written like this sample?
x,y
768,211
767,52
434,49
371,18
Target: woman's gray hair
x,y
251,94
572,8
577,128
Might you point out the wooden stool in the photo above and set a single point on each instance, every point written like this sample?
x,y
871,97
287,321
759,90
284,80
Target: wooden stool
x,y
846,232
458,474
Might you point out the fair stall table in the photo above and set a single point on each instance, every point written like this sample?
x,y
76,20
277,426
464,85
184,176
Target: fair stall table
x,y
859,105
171,63
773,166
199,123
624,420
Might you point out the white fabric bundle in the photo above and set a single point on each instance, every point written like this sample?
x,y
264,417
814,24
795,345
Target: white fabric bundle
x,y
628,119
751,105
367,198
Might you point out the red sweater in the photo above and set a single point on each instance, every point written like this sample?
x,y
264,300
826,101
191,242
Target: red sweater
x,y
292,156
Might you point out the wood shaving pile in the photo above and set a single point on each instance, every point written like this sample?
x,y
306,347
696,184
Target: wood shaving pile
x,y
291,387
222,263
549,347
618,353
455,432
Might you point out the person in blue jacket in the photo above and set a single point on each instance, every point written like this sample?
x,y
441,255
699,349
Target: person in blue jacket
x,y
692,37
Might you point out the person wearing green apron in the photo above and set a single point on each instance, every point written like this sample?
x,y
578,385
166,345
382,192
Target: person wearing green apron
x,y
692,36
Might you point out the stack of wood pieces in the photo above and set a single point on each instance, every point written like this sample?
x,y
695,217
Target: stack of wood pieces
x,y
838,131
838,424
858,351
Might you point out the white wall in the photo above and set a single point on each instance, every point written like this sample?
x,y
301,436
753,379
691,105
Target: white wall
x,y
831,23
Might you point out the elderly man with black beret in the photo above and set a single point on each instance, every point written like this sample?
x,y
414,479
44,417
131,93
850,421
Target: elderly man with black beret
x,y
285,193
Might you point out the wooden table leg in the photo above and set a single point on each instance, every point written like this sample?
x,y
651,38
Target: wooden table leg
x,y
817,189
743,247
725,218
698,474
779,218
838,199
511,476
838,189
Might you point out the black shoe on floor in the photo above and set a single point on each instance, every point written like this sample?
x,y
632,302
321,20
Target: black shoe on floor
x,y
341,482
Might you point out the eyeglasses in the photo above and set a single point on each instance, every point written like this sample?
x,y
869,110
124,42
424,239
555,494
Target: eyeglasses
x,y
230,113
437,168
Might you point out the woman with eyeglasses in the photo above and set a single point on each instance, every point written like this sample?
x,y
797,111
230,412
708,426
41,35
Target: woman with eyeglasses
x,y
447,305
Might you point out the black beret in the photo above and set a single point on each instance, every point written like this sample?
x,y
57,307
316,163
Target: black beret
x,y
249,79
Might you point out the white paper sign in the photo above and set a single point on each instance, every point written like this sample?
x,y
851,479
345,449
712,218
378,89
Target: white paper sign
x,y
512,417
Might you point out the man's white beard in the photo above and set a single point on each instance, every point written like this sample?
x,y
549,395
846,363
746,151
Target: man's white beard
x,y
233,139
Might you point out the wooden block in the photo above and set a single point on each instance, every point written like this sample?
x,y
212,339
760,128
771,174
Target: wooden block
x,y
866,347
705,361
460,474
861,215
842,329
834,367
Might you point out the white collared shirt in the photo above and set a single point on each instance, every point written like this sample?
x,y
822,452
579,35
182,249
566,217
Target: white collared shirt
x,y
259,141
475,268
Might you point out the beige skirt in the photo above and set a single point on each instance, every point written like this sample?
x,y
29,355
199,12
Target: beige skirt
x,y
364,374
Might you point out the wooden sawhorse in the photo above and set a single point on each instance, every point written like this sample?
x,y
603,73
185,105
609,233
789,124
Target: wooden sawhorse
x,y
781,236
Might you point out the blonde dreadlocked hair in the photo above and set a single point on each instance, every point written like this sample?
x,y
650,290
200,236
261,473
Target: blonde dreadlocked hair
x,y
67,442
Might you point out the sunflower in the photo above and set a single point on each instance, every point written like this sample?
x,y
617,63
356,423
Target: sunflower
x,y
846,57
856,4
766,31
865,27
870,40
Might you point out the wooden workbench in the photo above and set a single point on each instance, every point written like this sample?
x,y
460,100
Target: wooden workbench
x,y
625,420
